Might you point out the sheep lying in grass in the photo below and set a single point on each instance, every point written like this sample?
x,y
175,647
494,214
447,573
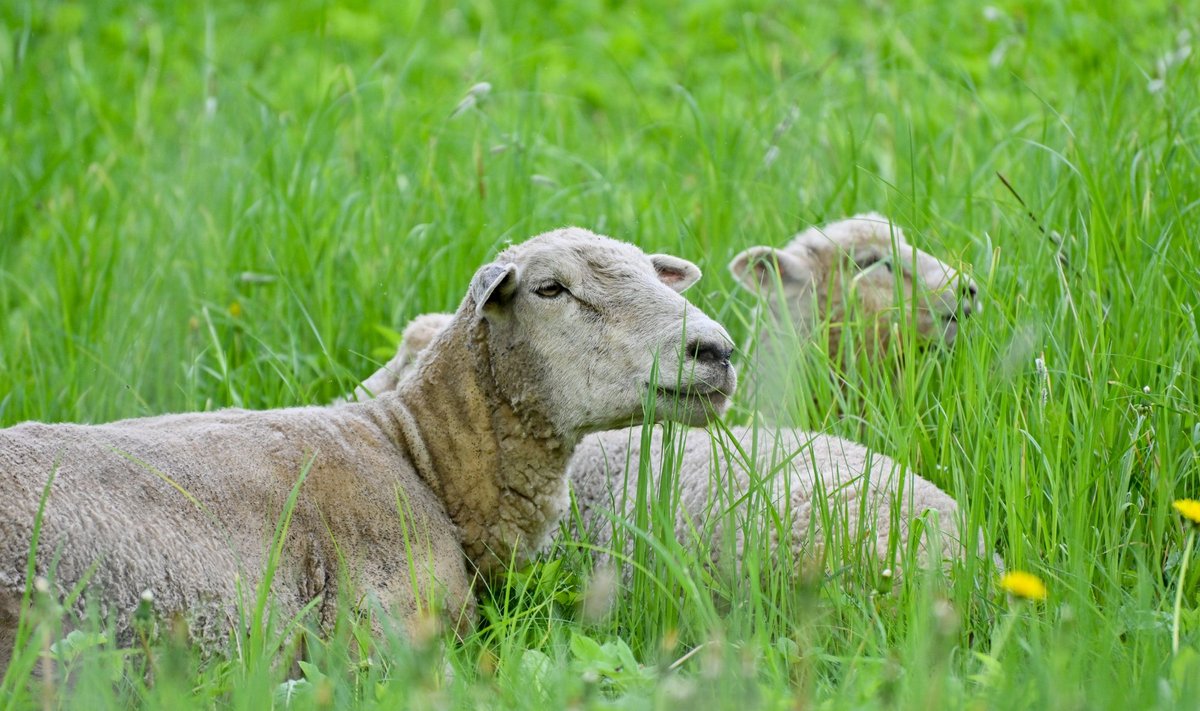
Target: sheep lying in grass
x,y
822,498
457,470
860,277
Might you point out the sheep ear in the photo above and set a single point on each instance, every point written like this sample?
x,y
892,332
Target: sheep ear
x,y
758,267
492,286
676,273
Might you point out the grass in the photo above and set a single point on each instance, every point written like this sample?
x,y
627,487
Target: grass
x,y
208,204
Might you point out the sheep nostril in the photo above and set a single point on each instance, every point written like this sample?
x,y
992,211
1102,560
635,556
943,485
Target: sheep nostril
x,y
709,351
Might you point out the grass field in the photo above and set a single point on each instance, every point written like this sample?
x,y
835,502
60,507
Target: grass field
x,y
214,204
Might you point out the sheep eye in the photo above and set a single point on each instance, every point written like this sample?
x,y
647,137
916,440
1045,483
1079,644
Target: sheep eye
x,y
868,260
551,290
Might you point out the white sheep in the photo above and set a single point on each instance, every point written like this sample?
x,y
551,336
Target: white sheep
x,y
455,472
858,277
826,498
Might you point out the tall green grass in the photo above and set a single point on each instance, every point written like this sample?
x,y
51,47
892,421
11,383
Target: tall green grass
x,y
207,205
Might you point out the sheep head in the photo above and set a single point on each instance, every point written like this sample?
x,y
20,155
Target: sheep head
x,y
856,271
585,326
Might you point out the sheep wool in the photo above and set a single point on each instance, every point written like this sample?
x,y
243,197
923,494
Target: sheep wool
x,y
832,497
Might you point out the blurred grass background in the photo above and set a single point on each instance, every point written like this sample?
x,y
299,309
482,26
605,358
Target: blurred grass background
x,y
217,204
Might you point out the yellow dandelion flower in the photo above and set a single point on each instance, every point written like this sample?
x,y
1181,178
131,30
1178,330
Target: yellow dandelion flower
x,y
235,309
1026,585
1189,509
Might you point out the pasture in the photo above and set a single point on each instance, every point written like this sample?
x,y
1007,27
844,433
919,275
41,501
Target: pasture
x,y
207,205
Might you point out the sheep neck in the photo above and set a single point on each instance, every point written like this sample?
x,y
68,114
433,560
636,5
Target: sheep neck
x,y
494,460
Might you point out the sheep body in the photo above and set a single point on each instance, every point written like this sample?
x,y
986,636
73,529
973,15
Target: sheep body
x,y
456,471
828,493
116,517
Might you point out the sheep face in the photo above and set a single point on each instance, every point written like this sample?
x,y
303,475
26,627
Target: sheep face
x,y
856,271
588,325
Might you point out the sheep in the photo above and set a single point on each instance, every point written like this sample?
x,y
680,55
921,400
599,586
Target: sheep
x,y
833,499
860,270
414,495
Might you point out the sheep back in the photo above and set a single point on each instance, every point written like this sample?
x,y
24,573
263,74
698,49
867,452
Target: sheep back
x,y
186,506
826,491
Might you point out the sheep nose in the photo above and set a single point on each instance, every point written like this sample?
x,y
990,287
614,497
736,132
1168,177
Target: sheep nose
x,y
969,290
707,351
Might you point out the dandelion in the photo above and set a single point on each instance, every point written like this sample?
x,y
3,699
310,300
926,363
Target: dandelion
x,y
1023,585
235,309
1190,510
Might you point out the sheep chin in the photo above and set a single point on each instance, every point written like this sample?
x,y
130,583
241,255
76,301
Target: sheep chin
x,y
695,406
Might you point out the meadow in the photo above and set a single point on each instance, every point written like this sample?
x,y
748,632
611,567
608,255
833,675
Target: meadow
x,y
206,205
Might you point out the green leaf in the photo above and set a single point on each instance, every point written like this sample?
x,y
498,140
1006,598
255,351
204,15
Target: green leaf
x,y
291,689
67,649
586,649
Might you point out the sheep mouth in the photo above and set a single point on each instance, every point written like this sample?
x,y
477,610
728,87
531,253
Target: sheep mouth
x,y
687,391
698,391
